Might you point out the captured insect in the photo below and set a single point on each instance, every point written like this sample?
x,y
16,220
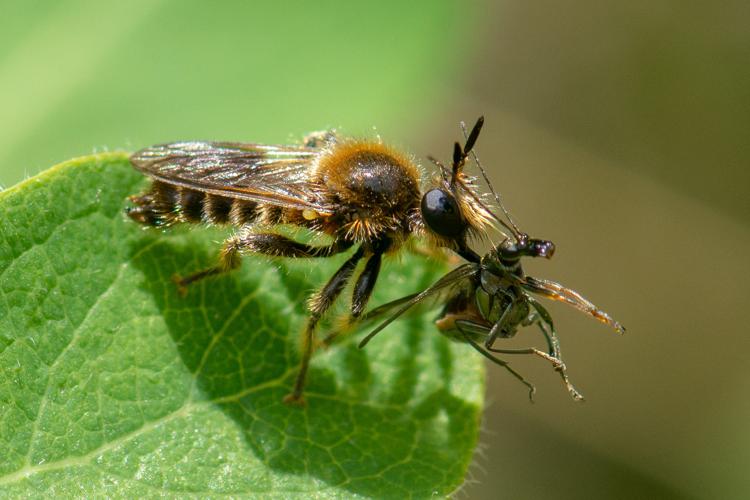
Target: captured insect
x,y
360,193
490,298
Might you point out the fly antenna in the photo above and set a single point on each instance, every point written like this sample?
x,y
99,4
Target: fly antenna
x,y
460,154
459,158
470,140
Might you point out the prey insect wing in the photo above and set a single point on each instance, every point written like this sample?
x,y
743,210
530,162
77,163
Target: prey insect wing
x,y
444,285
556,291
278,175
411,304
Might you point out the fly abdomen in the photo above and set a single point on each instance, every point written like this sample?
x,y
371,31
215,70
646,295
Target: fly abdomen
x,y
216,209
243,212
225,210
190,205
164,205
157,207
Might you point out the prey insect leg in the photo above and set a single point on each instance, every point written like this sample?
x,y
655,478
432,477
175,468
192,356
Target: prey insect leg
x,y
319,304
544,321
557,364
495,332
556,361
270,244
497,328
460,326
549,332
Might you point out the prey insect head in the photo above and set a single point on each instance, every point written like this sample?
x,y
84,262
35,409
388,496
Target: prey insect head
x,y
507,256
524,246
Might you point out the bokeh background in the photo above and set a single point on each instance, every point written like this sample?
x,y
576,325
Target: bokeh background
x,y
619,130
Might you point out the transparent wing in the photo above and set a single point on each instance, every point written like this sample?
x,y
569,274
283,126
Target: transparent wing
x,y
556,291
279,175
440,289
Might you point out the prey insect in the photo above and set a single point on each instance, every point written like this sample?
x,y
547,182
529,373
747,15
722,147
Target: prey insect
x,y
490,298
361,194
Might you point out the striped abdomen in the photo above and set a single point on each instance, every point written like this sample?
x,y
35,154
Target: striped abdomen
x,y
164,205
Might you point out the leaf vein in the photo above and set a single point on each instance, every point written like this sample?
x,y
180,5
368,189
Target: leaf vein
x,y
66,349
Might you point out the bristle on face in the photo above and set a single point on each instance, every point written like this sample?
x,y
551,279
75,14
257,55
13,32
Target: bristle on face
x,y
473,208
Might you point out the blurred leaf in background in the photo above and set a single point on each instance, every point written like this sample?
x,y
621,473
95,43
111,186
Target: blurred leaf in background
x,y
84,75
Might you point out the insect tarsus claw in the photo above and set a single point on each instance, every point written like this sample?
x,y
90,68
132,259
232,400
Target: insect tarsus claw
x,y
295,400
181,286
532,391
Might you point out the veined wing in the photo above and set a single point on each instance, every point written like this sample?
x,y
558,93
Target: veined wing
x,y
278,175
556,291
439,298
448,283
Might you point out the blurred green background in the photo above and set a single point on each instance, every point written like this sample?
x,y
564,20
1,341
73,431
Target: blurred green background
x,y
617,129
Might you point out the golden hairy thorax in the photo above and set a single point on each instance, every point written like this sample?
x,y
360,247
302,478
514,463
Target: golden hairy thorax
x,y
374,188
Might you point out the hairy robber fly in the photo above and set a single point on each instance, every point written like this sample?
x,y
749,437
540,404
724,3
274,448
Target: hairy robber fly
x,y
360,193
490,298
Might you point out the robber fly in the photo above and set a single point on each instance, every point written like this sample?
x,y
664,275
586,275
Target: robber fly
x,y
360,193
490,298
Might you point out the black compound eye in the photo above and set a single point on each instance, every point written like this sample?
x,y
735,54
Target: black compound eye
x,y
441,214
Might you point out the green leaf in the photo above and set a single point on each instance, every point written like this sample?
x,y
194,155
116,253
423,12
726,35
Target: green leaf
x,y
112,384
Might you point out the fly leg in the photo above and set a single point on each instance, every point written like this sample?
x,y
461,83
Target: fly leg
x,y
496,331
468,329
557,364
540,318
319,304
362,291
544,321
367,278
271,244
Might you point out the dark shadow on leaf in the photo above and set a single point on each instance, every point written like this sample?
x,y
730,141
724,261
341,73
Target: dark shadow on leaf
x,y
379,422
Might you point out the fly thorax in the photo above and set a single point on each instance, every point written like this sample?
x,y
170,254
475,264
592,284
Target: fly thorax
x,y
372,188
492,282
518,314
375,184
495,263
